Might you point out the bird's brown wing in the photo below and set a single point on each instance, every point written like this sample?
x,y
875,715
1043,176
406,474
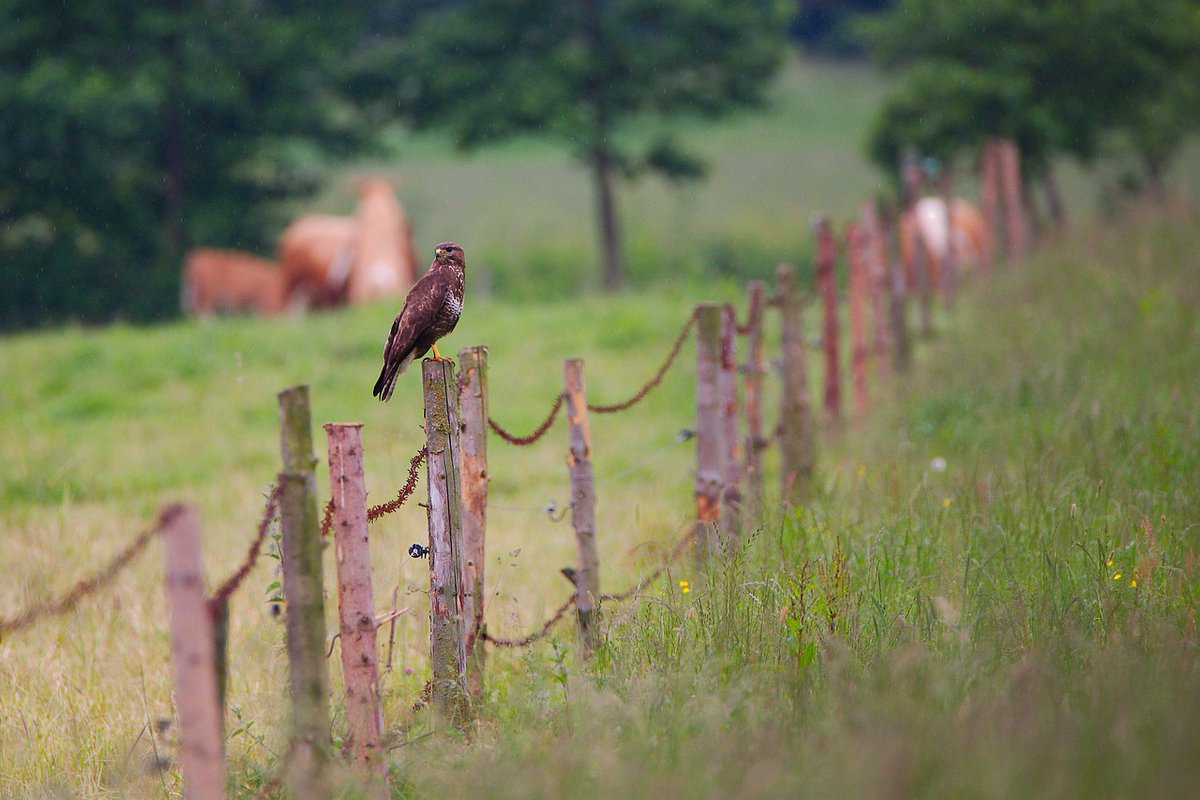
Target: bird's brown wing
x,y
420,308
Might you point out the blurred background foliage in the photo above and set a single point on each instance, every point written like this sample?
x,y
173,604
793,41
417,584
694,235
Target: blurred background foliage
x,y
132,132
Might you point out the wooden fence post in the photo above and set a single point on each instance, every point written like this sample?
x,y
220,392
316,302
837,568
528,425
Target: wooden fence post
x,y
914,184
754,442
876,258
356,605
303,590
472,421
730,527
855,251
797,444
192,654
710,475
1015,224
583,500
989,194
827,283
447,621
898,311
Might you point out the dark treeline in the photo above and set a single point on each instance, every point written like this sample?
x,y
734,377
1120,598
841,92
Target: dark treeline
x,y
133,131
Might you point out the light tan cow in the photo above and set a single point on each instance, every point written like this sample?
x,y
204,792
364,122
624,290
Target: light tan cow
x,y
384,264
926,225
230,281
317,254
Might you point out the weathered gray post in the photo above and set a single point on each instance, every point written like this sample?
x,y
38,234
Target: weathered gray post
x,y
710,475
755,443
356,605
201,749
473,425
303,590
797,441
583,500
730,525
447,620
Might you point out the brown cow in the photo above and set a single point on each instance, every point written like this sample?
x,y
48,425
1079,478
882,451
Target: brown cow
x,y
384,266
317,254
230,281
927,219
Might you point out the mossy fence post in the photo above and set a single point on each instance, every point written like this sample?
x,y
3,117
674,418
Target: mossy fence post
x,y
473,427
710,475
797,440
447,593
356,605
192,653
304,600
583,501
755,442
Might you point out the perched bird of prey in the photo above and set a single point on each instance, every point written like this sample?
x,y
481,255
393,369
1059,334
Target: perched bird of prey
x,y
430,311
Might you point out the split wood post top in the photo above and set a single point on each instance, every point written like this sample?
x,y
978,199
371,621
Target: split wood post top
x,y
828,286
583,500
192,654
730,525
473,425
356,605
303,589
754,442
447,623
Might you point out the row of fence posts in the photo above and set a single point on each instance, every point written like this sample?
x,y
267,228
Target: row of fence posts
x,y
456,426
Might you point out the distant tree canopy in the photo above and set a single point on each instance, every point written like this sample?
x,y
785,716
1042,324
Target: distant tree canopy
x,y
584,72
133,130
1059,76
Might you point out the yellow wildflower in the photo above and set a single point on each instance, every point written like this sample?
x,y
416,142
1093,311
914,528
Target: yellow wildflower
x,y
945,502
1117,577
685,587
1133,582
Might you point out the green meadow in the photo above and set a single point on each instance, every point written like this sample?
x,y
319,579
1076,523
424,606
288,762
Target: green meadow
x,y
992,591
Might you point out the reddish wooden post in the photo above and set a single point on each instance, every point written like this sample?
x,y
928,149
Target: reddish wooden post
x,y
914,182
709,468
192,654
583,501
356,604
797,442
855,247
898,306
730,526
989,194
755,443
827,284
1015,225
447,624
472,420
303,590
877,279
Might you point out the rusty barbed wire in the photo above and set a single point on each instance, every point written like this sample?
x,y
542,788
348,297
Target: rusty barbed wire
x,y
658,376
375,512
82,589
561,611
231,584
539,432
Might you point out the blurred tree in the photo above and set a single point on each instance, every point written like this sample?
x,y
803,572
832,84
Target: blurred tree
x,y
820,25
133,130
1059,76
584,72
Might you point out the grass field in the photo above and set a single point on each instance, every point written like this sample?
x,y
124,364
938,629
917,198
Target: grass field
x,y
1021,622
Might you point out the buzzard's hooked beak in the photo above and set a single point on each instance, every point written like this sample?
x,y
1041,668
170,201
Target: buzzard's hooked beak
x,y
438,251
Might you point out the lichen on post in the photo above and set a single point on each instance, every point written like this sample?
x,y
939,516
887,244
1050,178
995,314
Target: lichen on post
x,y
447,620
473,426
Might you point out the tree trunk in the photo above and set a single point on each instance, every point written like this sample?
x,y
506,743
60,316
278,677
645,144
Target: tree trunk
x,y
606,215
